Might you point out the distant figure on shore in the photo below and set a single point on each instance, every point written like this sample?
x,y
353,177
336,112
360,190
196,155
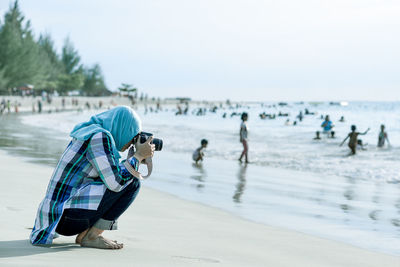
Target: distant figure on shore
x,y
327,125
300,116
2,106
243,137
382,137
280,114
90,188
317,136
16,107
198,154
179,112
185,111
8,106
307,112
342,119
39,104
287,122
353,141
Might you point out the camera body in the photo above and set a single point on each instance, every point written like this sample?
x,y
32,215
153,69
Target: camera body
x,y
158,143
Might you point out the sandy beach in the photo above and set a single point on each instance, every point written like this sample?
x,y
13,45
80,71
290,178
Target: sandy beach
x,y
162,230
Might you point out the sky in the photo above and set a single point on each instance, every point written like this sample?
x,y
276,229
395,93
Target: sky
x,y
257,50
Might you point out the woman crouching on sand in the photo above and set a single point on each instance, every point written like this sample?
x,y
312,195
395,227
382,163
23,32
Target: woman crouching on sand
x,y
90,188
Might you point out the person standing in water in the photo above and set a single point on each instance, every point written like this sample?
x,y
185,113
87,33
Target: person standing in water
x,y
243,137
382,137
353,135
327,125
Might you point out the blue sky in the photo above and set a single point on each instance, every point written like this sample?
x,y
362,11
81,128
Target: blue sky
x,y
237,49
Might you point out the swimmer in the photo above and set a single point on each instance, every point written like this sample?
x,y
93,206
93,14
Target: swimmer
x,y
382,137
327,125
353,135
317,136
198,154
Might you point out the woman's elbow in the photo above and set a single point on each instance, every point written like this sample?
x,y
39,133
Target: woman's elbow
x,y
115,187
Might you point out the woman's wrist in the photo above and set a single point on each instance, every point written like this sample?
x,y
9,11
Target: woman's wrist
x,y
134,162
138,158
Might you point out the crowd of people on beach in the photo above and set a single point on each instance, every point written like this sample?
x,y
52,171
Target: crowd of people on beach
x,y
46,103
6,106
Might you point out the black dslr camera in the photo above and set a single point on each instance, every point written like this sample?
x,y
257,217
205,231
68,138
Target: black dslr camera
x,y
158,143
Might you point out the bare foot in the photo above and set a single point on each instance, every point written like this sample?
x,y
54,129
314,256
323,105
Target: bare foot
x,y
79,237
100,242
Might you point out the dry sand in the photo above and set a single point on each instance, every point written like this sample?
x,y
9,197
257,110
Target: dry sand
x,y
161,230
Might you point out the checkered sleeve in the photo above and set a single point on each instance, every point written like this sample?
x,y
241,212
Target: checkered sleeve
x,y
100,155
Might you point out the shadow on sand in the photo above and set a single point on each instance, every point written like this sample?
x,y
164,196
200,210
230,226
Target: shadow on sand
x,y
20,248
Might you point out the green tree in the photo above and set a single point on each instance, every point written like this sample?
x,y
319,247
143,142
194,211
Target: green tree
x,y
94,82
50,62
23,60
127,88
19,53
70,82
70,57
72,77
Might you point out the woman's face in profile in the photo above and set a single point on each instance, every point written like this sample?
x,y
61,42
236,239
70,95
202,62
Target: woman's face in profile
x,y
132,142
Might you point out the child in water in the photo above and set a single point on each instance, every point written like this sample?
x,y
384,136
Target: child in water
x,y
353,135
243,137
317,136
382,137
198,154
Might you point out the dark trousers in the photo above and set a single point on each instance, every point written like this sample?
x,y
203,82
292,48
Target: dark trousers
x,y
112,205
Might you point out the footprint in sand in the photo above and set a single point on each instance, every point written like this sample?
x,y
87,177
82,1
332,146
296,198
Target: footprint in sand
x,y
13,209
197,259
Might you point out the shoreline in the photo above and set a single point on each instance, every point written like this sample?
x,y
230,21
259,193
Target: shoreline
x,y
289,199
163,230
29,104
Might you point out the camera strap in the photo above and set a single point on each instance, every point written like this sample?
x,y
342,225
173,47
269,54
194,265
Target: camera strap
x,y
135,173
149,163
132,170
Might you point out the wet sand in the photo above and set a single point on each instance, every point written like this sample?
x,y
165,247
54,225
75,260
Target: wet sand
x,y
161,230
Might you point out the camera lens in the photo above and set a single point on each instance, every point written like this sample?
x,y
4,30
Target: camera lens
x,y
158,143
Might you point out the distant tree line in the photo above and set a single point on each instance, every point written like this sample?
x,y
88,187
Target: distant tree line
x,y
25,60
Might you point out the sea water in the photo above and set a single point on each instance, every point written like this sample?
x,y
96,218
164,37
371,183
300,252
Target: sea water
x,y
293,181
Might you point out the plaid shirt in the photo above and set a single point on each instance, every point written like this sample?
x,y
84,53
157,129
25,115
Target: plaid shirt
x,y
86,169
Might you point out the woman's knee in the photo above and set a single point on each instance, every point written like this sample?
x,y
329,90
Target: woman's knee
x,y
72,226
134,187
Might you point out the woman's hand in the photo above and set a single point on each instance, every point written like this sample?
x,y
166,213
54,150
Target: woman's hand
x,y
145,150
